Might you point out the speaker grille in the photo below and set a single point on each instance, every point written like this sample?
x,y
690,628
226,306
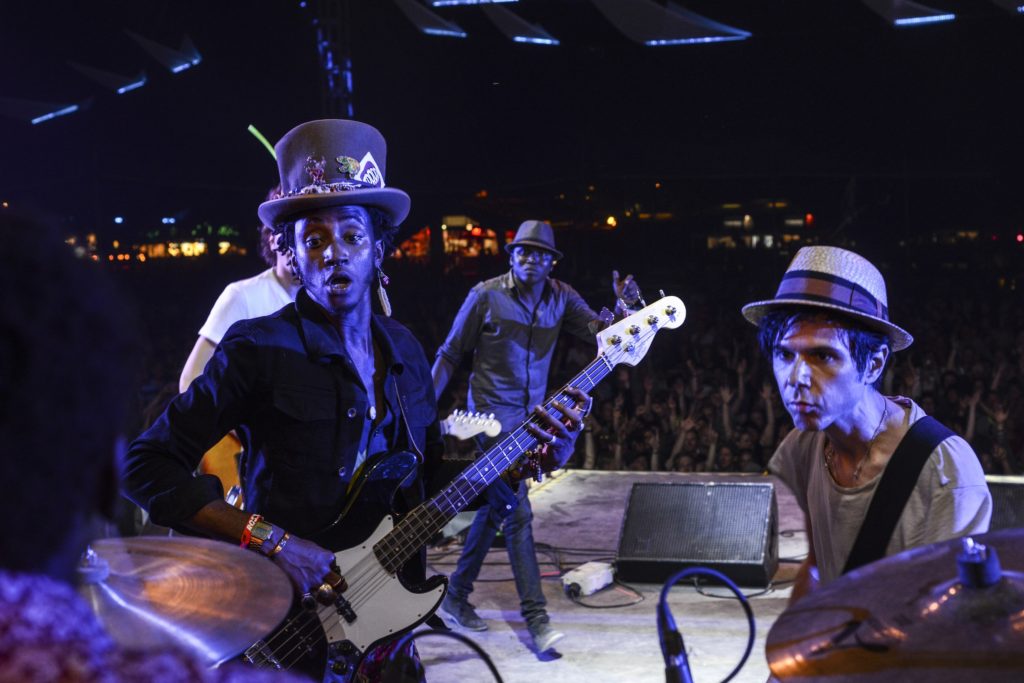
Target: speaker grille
x,y
1007,502
731,527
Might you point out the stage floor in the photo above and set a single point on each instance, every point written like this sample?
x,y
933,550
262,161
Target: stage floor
x,y
579,514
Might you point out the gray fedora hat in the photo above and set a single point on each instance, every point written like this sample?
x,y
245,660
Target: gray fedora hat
x,y
332,162
839,280
535,234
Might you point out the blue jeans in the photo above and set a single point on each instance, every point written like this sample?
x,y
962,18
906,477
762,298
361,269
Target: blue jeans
x,y
518,531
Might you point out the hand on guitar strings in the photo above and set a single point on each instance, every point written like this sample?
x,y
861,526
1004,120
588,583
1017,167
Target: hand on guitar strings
x,y
557,434
306,564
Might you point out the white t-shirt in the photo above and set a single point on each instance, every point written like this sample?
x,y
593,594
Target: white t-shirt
x,y
950,499
250,298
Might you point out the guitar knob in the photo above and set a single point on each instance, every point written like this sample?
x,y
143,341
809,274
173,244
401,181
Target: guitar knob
x,y
634,330
615,340
652,320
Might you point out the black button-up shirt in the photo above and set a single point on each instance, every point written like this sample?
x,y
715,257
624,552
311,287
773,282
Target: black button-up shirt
x,y
286,385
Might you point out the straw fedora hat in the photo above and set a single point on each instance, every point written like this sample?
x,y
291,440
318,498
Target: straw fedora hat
x,y
837,280
332,162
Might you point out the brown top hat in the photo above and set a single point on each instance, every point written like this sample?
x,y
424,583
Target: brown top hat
x,y
332,162
838,280
535,234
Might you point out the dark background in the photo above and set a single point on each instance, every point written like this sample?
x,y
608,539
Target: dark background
x,y
906,130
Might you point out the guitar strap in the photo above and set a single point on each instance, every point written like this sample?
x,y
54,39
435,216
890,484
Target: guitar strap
x,y
894,489
405,422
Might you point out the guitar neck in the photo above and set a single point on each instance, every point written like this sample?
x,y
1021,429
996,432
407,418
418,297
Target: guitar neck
x,y
417,527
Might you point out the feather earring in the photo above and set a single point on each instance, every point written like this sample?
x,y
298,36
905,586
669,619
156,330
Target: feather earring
x,y
385,303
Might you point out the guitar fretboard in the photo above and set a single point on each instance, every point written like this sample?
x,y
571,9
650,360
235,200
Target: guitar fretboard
x,y
417,527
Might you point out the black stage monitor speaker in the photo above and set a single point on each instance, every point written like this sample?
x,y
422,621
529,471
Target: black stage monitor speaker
x,y
1007,501
730,527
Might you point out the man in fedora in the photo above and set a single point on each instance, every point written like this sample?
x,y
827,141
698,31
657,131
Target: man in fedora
x,y
510,324
315,389
873,474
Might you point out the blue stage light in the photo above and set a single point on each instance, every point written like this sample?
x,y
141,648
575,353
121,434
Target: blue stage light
x,y
536,41
692,41
444,32
131,86
914,21
54,114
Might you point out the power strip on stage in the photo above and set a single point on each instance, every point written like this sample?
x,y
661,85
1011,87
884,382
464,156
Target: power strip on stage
x,y
587,579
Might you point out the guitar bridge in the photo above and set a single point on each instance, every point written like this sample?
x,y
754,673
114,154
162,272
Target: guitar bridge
x,y
260,654
344,608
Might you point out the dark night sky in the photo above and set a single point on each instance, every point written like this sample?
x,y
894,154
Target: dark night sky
x,y
822,92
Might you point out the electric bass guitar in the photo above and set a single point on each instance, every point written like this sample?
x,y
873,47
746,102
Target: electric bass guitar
x,y
373,605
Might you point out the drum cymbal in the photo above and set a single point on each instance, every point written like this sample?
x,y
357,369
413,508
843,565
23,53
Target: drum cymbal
x,y
208,597
908,617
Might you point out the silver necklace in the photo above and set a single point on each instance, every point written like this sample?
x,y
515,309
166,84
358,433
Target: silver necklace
x,y
830,450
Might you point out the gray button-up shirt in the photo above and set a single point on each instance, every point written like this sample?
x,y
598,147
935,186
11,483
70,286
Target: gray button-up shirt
x,y
512,344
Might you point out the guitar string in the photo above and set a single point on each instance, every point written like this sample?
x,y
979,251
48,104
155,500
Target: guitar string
x,y
359,593
362,594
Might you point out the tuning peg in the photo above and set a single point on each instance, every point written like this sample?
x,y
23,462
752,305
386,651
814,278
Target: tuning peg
x,y
652,320
634,330
615,340
670,310
629,348
661,293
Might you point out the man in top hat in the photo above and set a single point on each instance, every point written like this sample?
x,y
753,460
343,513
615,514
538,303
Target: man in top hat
x,y
510,324
315,389
828,335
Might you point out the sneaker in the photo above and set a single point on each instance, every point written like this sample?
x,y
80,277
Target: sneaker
x,y
463,613
545,637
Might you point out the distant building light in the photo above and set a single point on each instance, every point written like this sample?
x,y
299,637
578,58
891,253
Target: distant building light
x,y
535,40
6,205
141,257
168,221
1020,237
809,219
451,33
444,227
748,221
119,219
611,222
731,205
915,21
657,186
222,247
732,223
131,86
691,41
54,114
117,245
794,222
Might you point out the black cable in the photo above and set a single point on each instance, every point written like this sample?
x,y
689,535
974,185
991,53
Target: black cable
x,y
575,597
411,636
677,667
770,588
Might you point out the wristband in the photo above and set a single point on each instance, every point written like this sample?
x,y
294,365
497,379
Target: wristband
x,y
247,533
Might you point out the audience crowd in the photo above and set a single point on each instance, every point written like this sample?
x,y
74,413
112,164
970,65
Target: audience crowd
x,y
704,399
